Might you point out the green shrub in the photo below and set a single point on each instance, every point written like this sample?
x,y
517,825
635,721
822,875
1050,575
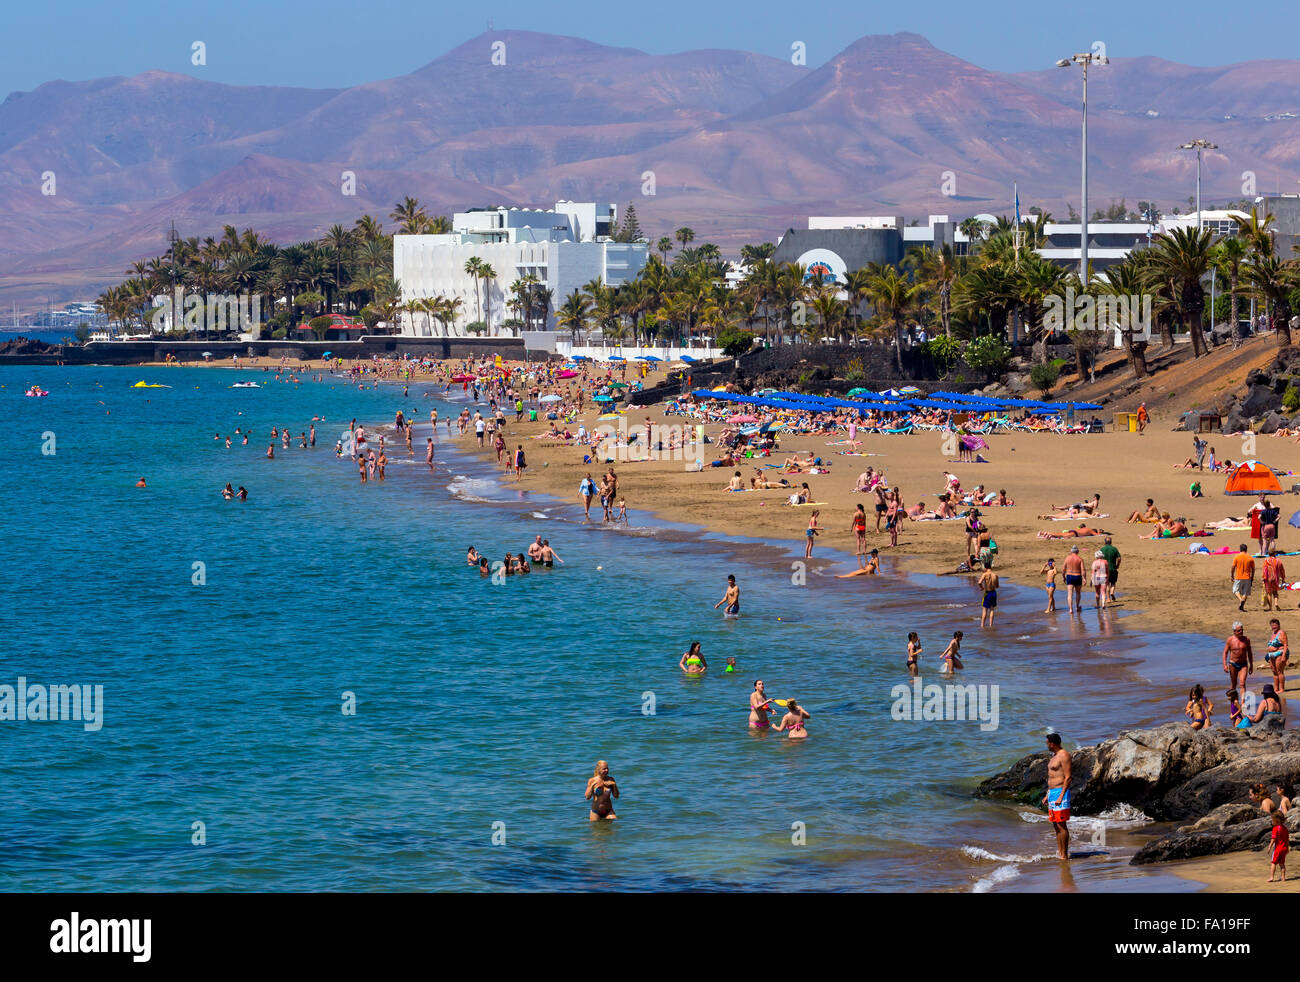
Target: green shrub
x,y
943,351
475,327
1291,397
735,342
279,334
988,354
1045,377
319,325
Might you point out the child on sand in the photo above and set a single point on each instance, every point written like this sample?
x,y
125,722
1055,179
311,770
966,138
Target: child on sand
x,y
1281,838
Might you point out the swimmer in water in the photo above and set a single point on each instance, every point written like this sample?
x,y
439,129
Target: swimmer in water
x,y
140,483
731,598
227,492
913,654
693,662
549,555
758,703
601,792
472,557
793,720
242,494
731,665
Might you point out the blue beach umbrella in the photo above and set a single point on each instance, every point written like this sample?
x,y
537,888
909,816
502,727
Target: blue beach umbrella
x,y
327,354
687,358
603,399
616,358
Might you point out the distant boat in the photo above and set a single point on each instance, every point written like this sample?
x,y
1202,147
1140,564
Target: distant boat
x,y
245,385
36,391
150,385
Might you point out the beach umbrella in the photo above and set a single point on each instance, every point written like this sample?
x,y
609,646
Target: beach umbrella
x,y
909,390
860,392
549,399
1295,520
687,358
618,385
603,399
648,358
579,358
327,354
892,393
616,358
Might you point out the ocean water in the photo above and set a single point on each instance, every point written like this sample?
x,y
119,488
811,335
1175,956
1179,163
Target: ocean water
x,y
480,709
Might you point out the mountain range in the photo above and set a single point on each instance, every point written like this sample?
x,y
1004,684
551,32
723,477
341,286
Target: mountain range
x,y
742,146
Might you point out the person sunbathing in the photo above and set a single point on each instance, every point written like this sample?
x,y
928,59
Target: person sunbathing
x,y
1002,501
759,481
1152,514
1083,531
1088,507
1169,530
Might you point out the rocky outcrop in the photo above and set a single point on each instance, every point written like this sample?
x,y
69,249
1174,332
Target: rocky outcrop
x,y
1171,773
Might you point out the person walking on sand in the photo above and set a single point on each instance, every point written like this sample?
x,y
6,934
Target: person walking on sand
x,y
988,582
601,792
1049,584
1073,570
1242,576
731,598
1238,657
1057,798
1280,837
1143,418
1272,575
811,533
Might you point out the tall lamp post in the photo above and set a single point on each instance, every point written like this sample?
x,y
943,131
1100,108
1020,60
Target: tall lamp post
x,y
1085,59
1198,146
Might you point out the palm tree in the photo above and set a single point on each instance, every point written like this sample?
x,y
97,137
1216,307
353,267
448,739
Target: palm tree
x,y
684,235
665,246
1273,280
1183,256
1128,280
891,294
936,270
474,267
409,215
573,314
1229,256
489,276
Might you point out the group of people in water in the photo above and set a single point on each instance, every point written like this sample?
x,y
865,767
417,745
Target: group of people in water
x,y
539,553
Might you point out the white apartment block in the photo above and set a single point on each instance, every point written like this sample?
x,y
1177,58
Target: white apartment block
x,y
564,247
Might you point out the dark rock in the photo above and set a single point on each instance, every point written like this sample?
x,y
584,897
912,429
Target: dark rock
x,y
1171,772
1256,376
1223,816
1272,423
1259,400
1210,842
1235,422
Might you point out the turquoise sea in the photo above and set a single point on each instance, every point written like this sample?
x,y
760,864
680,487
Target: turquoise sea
x,y
480,708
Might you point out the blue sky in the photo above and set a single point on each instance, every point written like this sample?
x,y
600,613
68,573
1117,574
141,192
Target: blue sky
x,y
328,43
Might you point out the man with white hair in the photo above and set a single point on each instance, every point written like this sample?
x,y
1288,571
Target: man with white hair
x,y
1238,658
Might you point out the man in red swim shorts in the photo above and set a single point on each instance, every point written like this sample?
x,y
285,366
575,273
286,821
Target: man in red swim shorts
x,y
1057,799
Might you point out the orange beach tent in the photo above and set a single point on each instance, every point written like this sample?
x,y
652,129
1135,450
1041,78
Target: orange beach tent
x,y
1252,477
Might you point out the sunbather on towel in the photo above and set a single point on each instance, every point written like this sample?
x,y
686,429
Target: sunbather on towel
x,y
1081,532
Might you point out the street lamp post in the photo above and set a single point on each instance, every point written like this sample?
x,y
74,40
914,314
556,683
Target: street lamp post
x,y
1085,59
1198,146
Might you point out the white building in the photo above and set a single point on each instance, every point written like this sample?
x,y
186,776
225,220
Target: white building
x,y
565,248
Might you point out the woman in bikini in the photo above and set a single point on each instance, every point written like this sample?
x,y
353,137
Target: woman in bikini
x,y
811,533
693,662
793,720
860,532
952,654
758,707
913,654
1279,652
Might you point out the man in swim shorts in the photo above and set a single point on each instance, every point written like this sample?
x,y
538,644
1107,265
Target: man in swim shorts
x,y
1057,798
1238,657
988,582
1073,569
731,598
